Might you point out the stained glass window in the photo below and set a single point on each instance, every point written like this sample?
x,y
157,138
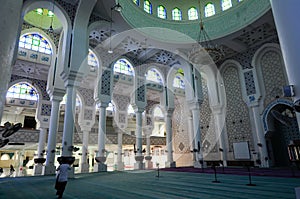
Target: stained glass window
x,y
92,59
157,112
148,6
176,14
22,91
137,2
226,4
35,42
209,10
154,76
178,82
192,13
123,66
161,12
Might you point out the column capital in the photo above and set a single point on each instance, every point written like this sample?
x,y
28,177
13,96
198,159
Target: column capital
x,y
169,112
72,78
102,104
56,94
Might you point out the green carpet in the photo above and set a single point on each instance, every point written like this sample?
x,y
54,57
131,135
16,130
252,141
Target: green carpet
x,y
145,184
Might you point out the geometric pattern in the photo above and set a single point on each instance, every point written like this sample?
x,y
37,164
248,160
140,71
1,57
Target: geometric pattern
x,y
88,96
46,110
237,114
88,114
141,91
249,82
105,83
273,75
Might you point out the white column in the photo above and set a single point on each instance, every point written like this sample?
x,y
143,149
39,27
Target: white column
x,y
219,124
101,158
197,138
120,163
148,157
67,141
10,14
260,137
139,145
38,167
286,14
85,144
51,146
191,136
168,118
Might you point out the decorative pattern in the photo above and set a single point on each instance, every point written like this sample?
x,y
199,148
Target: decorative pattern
x,y
46,110
70,8
88,114
273,75
88,96
121,102
140,90
237,115
208,135
105,82
249,82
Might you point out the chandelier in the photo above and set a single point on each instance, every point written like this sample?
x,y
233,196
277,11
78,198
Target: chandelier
x,y
215,51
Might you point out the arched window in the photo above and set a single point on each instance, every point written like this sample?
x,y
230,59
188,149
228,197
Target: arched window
x,y
92,59
176,14
226,4
148,6
22,90
209,10
123,66
130,110
35,42
192,13
154,76
161,12
157,112
136,2
178,82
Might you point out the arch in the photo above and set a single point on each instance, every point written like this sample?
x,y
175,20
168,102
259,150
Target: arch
x,y
130,109
42,34
123,66
153,74
22,90
157,111
269,107
39,92
192,13
93,59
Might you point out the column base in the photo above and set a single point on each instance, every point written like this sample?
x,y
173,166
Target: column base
x,y
49,170
120,166
139,165
170,164
38,169
198,165
149,164
100,167
84,168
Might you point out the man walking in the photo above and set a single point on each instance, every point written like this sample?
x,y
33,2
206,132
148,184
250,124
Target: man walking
x,y
61,179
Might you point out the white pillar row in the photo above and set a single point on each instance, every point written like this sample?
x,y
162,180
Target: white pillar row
x,y
198,163
148,157
260,137
169,136
84,167
101,156
220,134
53,127
286,14
10,14
139,145
38,167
